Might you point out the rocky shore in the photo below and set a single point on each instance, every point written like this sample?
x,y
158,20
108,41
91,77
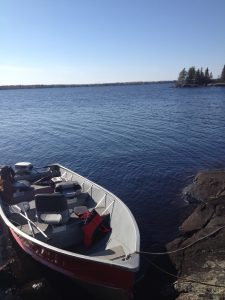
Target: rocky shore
x,y
200,265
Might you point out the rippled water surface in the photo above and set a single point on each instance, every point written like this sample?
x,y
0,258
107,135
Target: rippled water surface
x,y
141,142
144,143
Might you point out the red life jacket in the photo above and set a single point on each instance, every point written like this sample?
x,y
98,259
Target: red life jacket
x,y
94,222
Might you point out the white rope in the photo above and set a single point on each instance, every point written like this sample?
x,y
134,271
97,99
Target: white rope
x,y
184,279
183,248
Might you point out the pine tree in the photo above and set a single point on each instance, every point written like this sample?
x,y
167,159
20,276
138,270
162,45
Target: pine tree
x,y
222,78
206,76
191,75
202,77
182,77
198,77
211,76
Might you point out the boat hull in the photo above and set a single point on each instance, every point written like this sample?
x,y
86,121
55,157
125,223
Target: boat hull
x,y
103,279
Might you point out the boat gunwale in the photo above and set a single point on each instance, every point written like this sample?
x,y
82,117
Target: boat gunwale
x,y
74,254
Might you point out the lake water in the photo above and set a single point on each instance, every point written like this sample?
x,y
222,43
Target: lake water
x,y
142,142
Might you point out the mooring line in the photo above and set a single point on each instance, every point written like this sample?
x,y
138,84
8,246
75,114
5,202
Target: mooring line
x,y
183,248
183,278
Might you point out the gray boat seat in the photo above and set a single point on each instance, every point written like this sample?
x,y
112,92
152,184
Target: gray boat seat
x,y
68,188
52,208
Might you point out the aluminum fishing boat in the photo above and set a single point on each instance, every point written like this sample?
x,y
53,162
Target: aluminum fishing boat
x,y
72,225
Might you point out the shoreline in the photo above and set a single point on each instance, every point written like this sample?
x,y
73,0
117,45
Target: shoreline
x,y
48,86
193,85
42,86
198,252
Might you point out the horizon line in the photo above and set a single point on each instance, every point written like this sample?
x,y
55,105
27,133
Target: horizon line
x,y
40,85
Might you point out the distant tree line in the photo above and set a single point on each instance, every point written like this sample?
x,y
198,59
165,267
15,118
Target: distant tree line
x,y
199,77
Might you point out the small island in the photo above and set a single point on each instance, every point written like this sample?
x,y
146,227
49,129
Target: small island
x,y
199,77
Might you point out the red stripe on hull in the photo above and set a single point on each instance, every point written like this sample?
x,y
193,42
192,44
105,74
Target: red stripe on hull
x,y
92,272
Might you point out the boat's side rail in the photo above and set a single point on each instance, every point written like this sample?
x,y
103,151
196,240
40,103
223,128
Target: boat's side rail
x,y
124,226
101,197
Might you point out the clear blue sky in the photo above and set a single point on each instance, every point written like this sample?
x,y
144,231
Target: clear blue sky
x,y
95,41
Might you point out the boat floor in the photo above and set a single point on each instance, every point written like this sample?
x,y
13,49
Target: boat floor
x,y
69,236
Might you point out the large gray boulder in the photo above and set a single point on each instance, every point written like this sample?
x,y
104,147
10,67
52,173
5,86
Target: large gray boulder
x,y
201,264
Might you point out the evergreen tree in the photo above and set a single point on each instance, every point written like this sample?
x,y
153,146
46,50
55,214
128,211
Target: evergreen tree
x,y
202,77
222,78
211,76
206,76
198,77
182,77
191,75
194,77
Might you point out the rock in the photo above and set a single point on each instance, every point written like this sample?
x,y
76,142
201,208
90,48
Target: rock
x,y
9,294
206,187
6,276
198,219
33,289
200,264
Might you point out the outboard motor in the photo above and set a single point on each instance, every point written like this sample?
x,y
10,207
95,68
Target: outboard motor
x,y
26,171
23,168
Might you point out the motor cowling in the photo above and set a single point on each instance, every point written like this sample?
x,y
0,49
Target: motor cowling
x,y
23,168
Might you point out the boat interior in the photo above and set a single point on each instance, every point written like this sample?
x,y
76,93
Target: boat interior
x,y
65,210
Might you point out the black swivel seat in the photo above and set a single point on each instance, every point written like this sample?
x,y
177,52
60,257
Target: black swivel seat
x,y
52,208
